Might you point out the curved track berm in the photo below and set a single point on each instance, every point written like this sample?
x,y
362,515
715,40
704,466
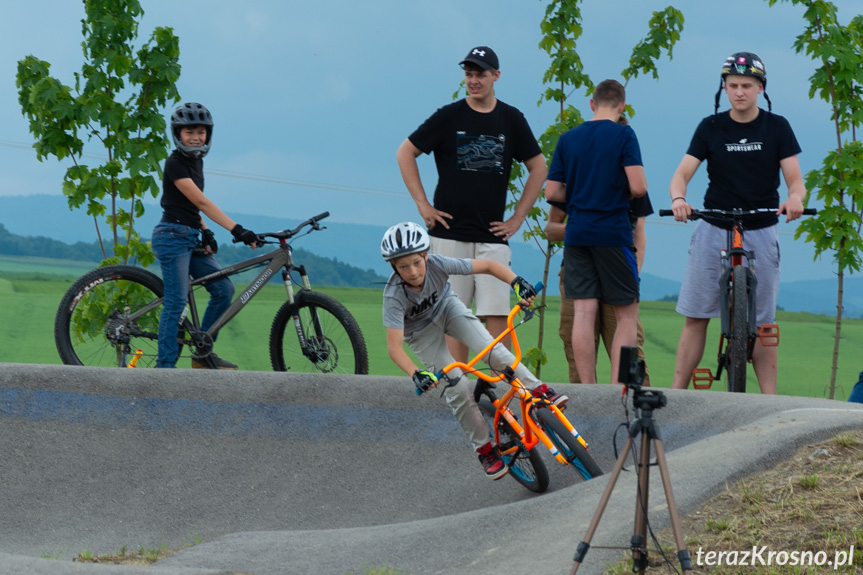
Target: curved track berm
x,y
292,473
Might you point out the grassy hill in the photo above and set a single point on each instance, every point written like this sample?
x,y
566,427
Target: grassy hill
x,y
30,298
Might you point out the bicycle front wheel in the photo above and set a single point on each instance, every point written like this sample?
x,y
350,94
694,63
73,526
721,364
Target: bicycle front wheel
x,y
572,450
526,467
317,334
738,352
99,322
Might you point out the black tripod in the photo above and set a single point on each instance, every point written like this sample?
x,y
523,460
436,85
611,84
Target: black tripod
x,y
644,403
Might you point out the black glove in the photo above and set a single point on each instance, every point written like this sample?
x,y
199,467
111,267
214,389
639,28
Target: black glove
x,y
423,379
208,240
241,234
522,289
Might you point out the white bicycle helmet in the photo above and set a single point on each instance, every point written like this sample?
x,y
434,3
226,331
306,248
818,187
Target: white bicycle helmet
x,y
404,239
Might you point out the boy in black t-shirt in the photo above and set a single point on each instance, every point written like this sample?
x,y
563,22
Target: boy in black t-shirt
x,y
745,149
181,240
475,141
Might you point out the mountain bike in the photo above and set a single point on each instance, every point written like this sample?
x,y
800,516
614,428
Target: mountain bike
x,y
738,284
110,316
544,422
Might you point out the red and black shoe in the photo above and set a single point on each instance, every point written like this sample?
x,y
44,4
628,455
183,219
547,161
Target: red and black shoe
x,y
542,390
494,466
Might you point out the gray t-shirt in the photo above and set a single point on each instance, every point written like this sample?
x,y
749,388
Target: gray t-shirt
x,y
412,311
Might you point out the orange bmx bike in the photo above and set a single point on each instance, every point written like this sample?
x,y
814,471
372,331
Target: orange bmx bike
x,y
543,421
738,284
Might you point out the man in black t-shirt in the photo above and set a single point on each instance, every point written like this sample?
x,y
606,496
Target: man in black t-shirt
x,y
475,141
745,148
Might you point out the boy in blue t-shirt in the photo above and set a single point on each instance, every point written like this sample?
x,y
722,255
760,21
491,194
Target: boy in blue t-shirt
x,y
420,308
595,171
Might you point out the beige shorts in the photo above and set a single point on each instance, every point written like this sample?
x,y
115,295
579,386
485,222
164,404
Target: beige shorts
x,y
490,294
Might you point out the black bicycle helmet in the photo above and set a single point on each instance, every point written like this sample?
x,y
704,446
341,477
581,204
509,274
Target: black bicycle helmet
x,y
743,64
192,114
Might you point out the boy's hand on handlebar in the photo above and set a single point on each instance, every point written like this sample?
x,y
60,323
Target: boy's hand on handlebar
x,y
792,208
681,209
523,290
248,237
424,380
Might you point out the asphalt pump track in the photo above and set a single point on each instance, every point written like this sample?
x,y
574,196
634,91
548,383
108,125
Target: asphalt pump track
x,y
273,473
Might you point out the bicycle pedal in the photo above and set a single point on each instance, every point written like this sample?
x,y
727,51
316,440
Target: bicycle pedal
x,y
769,335
702,374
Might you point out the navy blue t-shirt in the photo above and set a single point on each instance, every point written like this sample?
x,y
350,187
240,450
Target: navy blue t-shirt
x,y
590,159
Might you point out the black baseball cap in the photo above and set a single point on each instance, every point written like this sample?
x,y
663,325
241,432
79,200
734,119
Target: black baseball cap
x,y
482,56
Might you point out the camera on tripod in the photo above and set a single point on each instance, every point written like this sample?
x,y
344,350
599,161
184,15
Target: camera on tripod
x,y
631,369
631,374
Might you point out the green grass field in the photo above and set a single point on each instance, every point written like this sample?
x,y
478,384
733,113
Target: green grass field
x,y
31,290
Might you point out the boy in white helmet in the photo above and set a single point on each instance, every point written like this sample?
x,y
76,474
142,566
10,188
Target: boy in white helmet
x,y
420,309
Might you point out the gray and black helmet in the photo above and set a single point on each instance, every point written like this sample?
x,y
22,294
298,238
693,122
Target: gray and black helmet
x,y
192,114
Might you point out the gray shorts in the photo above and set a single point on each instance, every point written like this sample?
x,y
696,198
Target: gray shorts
x,y
699,294
491,294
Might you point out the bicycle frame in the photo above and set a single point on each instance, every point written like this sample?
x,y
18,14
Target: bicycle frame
x,y
531,434
280,258
734,256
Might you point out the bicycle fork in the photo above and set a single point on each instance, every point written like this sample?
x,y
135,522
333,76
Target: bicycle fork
x,y
767,334
308,344
531,435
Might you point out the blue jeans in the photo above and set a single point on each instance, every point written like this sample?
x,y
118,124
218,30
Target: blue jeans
x,y
173,245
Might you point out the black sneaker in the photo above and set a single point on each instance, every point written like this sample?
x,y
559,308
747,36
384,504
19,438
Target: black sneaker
x,y
494,466
216,360
542,390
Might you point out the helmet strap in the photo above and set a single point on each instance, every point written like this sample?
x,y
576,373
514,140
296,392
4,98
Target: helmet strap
x,y
718,94
769,103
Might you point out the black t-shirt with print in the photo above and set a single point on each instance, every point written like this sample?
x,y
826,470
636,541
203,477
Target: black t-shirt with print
x,y
743,162
473,152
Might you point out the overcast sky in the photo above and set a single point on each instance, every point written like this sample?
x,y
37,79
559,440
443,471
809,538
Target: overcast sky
x,y
312,99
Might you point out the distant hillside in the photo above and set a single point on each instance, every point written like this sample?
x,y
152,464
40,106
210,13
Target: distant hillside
x,y
358,246
322,271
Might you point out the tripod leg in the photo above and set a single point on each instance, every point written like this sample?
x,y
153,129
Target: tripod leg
x,y
682,553
584,546
639,534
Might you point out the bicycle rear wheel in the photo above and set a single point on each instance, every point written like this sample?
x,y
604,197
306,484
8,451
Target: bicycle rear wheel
x,y
738,346
95,324
526,467
317,334
572,450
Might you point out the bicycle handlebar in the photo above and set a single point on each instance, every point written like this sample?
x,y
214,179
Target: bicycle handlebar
x,y
288,234
731,214
468,367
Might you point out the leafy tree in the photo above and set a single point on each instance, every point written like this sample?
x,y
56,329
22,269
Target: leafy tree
x,y
117,99
838,80
561,28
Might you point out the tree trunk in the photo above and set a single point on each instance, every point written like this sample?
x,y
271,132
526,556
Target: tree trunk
x,y
542,303
840,292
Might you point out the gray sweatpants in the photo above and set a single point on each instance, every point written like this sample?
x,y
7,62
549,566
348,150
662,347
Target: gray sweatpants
x,y
429,345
